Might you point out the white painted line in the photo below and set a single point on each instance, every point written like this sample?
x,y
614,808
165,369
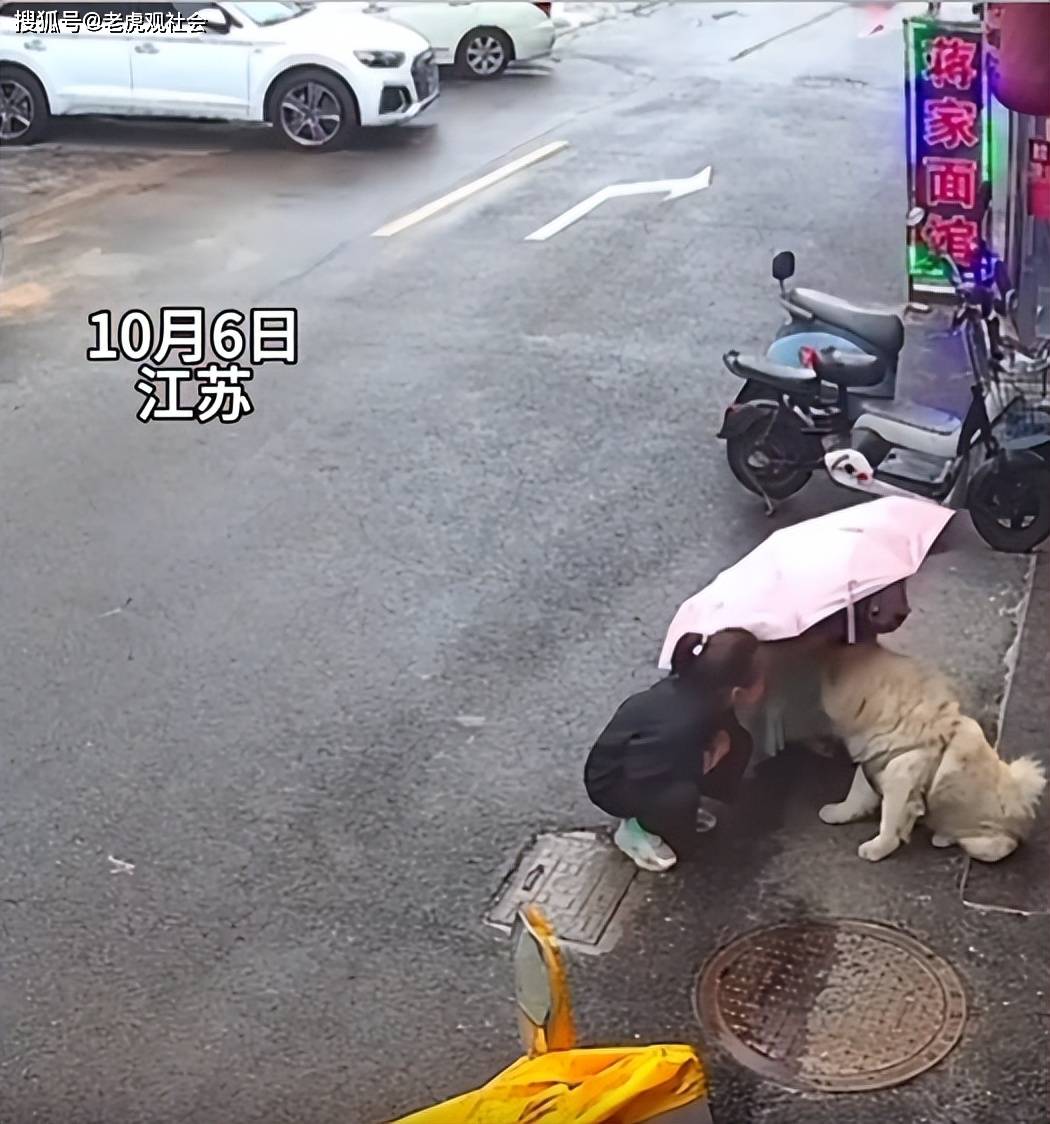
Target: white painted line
x,y
788,31
573,214
467,190
674,189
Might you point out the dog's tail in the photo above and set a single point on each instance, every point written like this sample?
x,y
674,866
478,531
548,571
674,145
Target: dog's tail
x,y
1027,784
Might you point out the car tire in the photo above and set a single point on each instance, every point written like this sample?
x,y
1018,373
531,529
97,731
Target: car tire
x,y
483,53
21,95
312,110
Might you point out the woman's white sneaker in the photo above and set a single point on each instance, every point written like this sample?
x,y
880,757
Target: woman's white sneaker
x,y
645,850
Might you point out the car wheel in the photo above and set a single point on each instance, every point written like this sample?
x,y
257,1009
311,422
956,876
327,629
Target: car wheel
x,y
24,112
483,53
313,111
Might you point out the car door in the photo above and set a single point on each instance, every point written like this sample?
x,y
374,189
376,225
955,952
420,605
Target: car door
x,y
191,73
441,24
84,71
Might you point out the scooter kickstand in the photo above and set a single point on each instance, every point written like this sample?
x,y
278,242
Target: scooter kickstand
x,y
770,507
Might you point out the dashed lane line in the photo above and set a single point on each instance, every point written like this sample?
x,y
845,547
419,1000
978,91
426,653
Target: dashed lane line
x,y
788,31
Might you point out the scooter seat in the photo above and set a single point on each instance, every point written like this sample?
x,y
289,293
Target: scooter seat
x,y
848,368
884,329
778,376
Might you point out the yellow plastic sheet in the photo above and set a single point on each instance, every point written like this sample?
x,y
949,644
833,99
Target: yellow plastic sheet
x,y
626,1085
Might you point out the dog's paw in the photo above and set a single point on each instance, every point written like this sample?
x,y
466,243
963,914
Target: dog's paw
x,y
877,848
943,841
835,813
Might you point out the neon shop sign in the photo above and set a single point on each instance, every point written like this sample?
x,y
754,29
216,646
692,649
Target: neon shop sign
x,y
949,150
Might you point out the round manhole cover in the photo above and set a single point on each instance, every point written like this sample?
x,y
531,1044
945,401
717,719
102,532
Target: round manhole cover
x,y
832,1006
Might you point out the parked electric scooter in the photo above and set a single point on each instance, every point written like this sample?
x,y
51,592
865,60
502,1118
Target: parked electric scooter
x,y
868,343
816,321
789,420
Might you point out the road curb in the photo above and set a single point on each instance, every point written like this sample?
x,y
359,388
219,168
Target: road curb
x,y
148,176
1012,656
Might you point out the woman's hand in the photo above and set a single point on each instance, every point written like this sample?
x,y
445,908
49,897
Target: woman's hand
x,y
720,746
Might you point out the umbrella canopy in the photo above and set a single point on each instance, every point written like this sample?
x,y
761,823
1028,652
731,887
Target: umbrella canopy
x,y
802,574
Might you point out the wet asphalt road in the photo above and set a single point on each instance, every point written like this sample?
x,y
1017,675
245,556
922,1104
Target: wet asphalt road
x,y
253,660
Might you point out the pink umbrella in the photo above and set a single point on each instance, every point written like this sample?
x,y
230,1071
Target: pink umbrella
x,y
802,574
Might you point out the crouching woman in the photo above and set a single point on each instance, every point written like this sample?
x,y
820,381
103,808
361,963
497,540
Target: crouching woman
x,y
679,740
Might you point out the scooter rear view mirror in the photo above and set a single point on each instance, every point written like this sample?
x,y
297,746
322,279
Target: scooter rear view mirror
x,y
783,266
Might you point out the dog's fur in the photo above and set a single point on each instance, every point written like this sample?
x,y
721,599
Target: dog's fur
x,y
919,756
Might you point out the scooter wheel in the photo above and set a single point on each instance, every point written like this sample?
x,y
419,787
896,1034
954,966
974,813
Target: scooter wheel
x,y
765,458
1010,505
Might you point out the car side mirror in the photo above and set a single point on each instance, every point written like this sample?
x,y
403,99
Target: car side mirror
x,y
783,266
213,19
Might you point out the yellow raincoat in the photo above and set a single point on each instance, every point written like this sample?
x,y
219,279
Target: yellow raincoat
x,y
618,1085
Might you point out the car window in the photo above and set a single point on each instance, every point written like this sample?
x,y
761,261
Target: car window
x,y
187,10
265,15
154,11
82,9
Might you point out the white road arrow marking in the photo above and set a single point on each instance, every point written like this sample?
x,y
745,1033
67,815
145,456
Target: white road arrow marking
x,y
674,189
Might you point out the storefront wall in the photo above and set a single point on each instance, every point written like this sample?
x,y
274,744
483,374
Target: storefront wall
x,y
1029,236
1017,55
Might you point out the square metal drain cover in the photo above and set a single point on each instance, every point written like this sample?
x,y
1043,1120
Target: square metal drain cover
x,y
578,879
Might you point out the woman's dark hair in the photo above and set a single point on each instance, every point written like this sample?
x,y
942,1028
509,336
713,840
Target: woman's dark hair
x,y
725,660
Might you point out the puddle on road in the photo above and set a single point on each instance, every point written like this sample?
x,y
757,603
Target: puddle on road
x,y
97,263
25,298
42,180
830,82
33,176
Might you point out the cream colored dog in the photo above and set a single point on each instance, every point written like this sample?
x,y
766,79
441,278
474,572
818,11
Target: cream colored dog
x,y
920,757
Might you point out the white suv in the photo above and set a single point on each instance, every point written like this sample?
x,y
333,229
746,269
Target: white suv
x,y
313,77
